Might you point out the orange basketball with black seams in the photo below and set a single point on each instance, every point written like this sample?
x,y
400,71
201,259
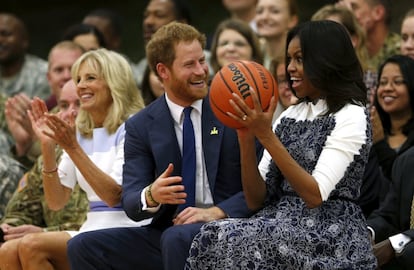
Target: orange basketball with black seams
x,y
237,77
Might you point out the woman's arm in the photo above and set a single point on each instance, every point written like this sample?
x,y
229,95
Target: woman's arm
x,y
259,123
254,187
300,180
103,184
56,194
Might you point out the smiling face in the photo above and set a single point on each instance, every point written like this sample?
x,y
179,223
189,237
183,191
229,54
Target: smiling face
x,y
300,83
286,97
273,18
232,46
94,93
60,64
186,80
364,13
13,40
392,92
68,102
407,37
157,14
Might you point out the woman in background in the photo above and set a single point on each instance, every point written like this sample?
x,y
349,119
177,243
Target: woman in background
x,y
393,111
87,36
285,94
234,40
407,34
274,18
151,87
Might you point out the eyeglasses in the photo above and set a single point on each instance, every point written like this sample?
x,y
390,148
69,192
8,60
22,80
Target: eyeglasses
x,y
394,82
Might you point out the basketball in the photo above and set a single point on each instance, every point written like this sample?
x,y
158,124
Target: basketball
x,y
237,77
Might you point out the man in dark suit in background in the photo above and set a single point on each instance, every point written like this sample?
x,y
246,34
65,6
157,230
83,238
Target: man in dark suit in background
x,y
390,224
152,184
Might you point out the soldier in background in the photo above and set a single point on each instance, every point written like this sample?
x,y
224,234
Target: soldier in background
x,y
6,140
10,173
10,170
20,72
27,210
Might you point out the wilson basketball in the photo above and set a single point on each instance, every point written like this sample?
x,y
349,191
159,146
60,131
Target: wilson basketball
x,y
237,77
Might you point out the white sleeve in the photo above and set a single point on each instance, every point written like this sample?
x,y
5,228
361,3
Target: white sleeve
x,y
67,171
117,168
144,203
399,241
264,164
341,146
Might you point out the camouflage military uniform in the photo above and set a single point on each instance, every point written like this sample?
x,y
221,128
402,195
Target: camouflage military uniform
x,y
28,205
7,144
10,173
31,80
5,137
391,46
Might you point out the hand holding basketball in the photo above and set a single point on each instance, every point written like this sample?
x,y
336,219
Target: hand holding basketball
x,y
238,77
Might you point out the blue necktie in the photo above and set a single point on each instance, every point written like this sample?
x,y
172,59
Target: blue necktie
x,y
189,160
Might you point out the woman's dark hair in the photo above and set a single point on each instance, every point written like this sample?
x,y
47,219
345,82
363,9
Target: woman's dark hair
x,y
406,65
146,91
82,29
330,63
115,20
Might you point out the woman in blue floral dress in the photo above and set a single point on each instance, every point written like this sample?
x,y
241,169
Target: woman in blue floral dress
x,y
313,166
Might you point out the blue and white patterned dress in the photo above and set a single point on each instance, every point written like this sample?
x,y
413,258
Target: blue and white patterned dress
x,y
286,234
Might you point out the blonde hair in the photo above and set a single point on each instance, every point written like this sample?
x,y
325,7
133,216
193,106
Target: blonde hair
x,y
116,71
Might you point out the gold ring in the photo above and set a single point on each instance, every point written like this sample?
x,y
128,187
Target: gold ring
x,y
244,117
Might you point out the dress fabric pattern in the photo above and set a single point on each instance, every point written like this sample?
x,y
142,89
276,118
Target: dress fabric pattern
x,y
286,234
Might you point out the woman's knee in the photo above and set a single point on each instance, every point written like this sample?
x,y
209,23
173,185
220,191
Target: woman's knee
x,y
9,254
30,244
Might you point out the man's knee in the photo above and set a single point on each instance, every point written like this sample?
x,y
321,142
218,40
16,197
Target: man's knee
x,y
180,236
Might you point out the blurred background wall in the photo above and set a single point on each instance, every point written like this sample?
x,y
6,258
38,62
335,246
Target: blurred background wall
x,y
47,19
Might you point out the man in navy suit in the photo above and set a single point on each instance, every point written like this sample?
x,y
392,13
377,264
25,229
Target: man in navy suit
x,y
152,182
390,224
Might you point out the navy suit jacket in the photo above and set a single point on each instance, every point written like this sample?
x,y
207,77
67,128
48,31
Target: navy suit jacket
x,y
393,215
151,144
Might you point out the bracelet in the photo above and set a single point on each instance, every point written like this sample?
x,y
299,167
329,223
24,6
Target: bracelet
x,y
150,195
49,173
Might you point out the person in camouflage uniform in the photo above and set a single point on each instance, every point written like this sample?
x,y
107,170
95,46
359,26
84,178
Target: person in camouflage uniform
x,y
5,136
28,207
390,47
14,121
374,16
20,72
27,212
10,173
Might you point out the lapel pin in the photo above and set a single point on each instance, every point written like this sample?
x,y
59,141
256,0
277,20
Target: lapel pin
x,y
214,131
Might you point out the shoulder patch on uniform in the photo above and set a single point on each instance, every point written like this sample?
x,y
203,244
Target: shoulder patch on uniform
x,y
22,183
